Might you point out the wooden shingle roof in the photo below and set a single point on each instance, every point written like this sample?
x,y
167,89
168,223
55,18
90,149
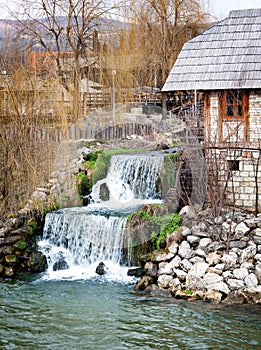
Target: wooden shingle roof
x,y
226,56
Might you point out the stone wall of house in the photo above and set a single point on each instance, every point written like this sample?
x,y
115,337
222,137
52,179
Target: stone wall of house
x,y
238,169
239,173
255,118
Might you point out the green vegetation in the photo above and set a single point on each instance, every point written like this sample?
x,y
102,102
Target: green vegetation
x,y
168,223
82,184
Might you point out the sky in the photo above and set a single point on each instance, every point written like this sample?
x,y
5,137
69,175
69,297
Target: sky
x,y
219,8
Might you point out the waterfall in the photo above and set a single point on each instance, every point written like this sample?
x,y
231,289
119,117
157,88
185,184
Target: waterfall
x,y
132,180
76,240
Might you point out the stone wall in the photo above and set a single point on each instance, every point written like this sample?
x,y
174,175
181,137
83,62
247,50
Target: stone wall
x,y
208,258
237,166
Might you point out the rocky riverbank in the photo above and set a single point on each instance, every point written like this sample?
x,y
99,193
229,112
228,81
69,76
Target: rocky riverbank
x,y
217,260
18,248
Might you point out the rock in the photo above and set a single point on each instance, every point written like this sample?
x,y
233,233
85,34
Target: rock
x,y
9,272
188,212
235,283
248,253
165,269
234,297
213,296
237,244
213,258
162,257
39,196
185,250
215,246
200,252
11,259
220,287
180,274
219,220
145,258
186,265
193,240
173,248
229,227
258,272
9,240
229,260
212,278
197,259
204,242
101,269
251,280
194,278
228,274
175,262
195,283
143,283
256,236
136,272
214,270
241,230
61,264
185,232
258,258
253,295
185,295
164,280
37,262
200,230
174,285
151,268
247,265
199,269
240,273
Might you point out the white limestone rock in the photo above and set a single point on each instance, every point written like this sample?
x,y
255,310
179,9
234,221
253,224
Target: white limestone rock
x,y
251,280
184,250
235,284
164,280
240,273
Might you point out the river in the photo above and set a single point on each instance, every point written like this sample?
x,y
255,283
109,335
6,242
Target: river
x,y
95,314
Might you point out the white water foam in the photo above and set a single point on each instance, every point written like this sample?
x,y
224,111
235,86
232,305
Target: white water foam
x,y
77,239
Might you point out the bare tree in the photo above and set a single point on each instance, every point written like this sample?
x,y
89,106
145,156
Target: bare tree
x,y
58,27
162,27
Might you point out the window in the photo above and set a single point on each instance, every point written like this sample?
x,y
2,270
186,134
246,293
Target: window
x,y
233,165
234,103
233,116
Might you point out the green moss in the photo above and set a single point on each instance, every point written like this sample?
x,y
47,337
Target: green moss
x,y
188,292
32,226
21,245
82,184
168,223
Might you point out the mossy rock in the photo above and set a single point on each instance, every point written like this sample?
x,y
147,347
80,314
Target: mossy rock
x,y
11,259
20,245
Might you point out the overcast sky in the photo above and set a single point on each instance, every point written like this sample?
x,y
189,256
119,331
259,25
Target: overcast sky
x,y
219,8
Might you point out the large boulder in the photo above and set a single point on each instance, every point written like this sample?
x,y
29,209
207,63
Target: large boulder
x,y
37,262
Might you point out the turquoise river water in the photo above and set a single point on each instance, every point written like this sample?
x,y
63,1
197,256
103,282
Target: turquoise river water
x,y
36,313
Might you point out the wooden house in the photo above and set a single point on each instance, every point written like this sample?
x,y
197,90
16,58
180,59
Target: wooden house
x,y
224,63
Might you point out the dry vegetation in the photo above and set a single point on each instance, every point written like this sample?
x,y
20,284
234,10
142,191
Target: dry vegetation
x,y
140,44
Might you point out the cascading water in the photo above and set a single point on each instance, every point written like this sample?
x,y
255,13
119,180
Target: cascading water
x,y
76,240
131,180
